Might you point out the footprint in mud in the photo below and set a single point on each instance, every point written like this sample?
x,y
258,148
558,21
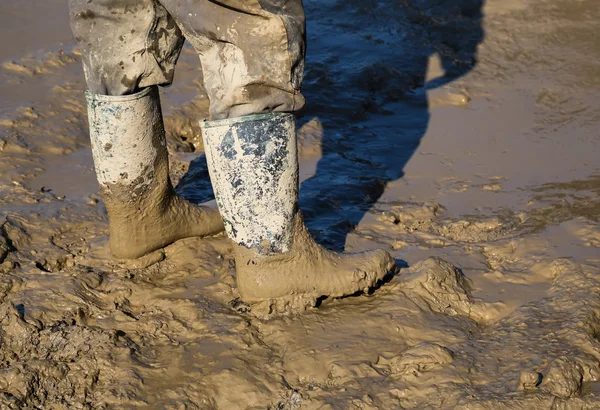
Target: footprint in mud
x,y
75,363
564,378
410,364
427,224
435,285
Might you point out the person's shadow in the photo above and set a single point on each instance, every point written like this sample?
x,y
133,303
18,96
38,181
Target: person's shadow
x,y
365,81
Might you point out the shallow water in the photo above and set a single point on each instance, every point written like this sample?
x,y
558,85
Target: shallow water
x,y
462,130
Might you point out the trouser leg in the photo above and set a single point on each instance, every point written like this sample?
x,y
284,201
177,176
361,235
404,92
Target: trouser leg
x,y
251,51
125,45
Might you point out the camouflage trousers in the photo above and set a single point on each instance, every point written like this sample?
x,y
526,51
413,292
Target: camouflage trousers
x,y
251,51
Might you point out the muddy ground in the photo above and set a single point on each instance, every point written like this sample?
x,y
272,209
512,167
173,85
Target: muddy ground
x,y
462,136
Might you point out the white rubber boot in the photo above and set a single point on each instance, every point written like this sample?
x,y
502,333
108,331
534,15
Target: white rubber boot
x,y
132,166
253,166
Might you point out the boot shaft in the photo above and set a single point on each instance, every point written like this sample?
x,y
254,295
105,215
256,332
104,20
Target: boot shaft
x,y
127,138
253,166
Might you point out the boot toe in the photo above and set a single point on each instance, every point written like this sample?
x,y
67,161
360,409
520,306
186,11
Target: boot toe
x,y
372,267
381,263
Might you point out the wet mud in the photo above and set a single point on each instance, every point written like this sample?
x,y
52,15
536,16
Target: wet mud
x,y
461,136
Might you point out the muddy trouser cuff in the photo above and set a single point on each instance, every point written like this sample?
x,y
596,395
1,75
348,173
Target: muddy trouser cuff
x,y
253,166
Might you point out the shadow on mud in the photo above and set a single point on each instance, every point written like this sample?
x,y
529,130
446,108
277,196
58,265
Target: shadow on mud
x,y
366,82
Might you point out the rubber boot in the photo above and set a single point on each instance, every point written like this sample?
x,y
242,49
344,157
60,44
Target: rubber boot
x,y
132,166
253,166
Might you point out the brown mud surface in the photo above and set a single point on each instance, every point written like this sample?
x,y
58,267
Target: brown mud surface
x,y
461,136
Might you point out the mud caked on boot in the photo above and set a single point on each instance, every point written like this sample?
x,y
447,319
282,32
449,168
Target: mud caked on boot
x,y
253,166
132,166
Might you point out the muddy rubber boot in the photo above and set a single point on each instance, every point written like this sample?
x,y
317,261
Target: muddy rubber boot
x,y
253,166
132,166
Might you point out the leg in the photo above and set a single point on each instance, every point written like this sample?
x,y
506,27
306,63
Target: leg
x,y
252,55
253,165
126,45
252,52
129,48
